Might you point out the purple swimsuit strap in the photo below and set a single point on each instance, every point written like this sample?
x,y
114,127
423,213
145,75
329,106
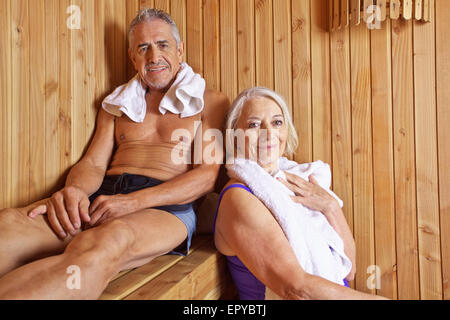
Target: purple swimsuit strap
x,y
235,185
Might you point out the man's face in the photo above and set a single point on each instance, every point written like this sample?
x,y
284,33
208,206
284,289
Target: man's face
x,y
155,54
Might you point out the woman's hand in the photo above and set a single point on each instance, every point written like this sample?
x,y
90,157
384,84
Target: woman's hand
x,y
309,193
108,207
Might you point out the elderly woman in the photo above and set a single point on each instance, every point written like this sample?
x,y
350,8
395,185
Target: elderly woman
x,y
258,251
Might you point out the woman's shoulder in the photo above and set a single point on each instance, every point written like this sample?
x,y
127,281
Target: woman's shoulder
x,y
234,190
238,201
234,209
233,181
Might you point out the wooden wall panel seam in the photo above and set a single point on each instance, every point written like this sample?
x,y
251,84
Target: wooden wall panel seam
x,y
443,115
434,21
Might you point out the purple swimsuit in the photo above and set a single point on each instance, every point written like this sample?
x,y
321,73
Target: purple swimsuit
x,y
248,286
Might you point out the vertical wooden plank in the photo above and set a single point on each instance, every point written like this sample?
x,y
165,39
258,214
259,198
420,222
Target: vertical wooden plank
x,y
344,13
301,78
52,62
407,9
283,50
264,43
383,160
6,102
110,29
132,8
194,26
146,4
65,90
395,9
246,43
91,100
321,104
383,8
228,48
426,10
178,13
20,54
211,44
163,5
330,15
79,84
362,153
336,14
405,180
443,119
418,9
366,9
426,161
355,9
342,120
120,48
101,36
37,100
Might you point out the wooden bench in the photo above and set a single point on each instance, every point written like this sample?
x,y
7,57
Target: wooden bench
x,y
201,275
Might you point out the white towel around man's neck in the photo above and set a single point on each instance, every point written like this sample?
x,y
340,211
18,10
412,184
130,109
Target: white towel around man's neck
x,y
184,97
308,231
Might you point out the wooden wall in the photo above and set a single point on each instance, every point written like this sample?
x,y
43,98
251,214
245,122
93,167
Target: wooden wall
x,y
375,105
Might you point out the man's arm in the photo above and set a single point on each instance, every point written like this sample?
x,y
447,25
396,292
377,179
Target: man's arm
x,y
89,172
199,181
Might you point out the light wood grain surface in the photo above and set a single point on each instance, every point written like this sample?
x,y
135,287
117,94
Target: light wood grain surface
x,y
375,105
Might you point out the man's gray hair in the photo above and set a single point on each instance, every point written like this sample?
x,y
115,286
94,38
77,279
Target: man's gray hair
x,y
150,14
261,92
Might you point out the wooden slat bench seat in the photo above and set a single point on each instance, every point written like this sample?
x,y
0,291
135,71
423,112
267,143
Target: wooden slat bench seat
x,y
200,275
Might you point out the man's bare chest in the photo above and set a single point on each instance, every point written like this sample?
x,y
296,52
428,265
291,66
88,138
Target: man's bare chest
x,y
156,128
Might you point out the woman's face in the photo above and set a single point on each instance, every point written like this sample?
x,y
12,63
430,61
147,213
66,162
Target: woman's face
x,y
265,131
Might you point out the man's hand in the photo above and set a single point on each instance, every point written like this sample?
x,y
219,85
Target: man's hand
x,y
108,207
65,210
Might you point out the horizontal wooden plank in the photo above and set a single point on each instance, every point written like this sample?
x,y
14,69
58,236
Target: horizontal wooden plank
x,y
128,281
194,277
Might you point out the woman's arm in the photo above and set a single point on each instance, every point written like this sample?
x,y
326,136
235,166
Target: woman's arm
x,y
247,229
312,195
336,218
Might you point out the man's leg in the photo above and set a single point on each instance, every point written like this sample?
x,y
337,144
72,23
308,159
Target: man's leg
x,y
99,254
23,239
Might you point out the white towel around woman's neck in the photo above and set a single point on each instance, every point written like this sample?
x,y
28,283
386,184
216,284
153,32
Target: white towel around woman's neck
x,y
308,231
184,97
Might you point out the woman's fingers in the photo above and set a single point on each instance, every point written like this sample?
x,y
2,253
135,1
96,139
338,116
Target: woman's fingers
x,y
298,181
290,186
313,180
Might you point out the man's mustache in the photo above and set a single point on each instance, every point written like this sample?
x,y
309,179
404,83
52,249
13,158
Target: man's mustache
x,y
153,65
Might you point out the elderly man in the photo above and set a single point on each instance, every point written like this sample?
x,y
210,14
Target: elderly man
x,y
127,201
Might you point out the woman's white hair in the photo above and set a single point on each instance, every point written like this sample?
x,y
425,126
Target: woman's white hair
x,y
262,92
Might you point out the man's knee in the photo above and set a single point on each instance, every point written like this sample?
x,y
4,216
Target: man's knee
x,y
105,244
